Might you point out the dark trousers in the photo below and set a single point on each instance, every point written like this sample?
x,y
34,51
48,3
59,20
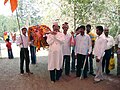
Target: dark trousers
x,y
33,54
80,61
66,59
118,61
24,55
73,60
55,74
90,63
105,62
10,54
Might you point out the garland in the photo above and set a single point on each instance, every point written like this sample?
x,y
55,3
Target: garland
x,y
37,32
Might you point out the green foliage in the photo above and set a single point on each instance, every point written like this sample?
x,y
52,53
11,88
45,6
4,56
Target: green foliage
x,y
96,12
76,12
8,24
113,30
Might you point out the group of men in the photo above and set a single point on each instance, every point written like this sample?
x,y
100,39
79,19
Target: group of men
x,y
87,45
101,46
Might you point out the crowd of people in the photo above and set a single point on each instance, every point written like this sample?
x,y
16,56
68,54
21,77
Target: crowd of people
x,y
73,52
87,46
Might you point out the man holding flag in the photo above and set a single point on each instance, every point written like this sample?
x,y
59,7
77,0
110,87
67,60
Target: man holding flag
x,y
23,43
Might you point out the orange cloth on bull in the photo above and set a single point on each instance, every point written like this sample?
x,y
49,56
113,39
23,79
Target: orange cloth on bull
x,y
38,31
45,29
30,30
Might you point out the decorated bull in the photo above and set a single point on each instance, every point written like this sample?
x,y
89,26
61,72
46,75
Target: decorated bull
x,y
37,34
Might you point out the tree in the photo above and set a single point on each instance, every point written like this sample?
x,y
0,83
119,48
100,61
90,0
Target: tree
x,y
95,12
8,24
75,12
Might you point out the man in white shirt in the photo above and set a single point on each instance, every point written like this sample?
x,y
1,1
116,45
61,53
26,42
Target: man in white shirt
x,y
55,56
66,49
108,52
98,52
82,49
23,42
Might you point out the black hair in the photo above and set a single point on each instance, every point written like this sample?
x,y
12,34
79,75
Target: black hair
x,y
77,28
7,39
24,28
83,27
100,28
88,25
66,23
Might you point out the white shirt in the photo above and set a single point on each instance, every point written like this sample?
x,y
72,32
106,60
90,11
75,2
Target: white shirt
x,y
23,39
55,55
117,41
83,44
110,42
66,45
100,46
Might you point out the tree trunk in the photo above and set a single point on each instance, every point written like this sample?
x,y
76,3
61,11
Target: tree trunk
x,y
74,16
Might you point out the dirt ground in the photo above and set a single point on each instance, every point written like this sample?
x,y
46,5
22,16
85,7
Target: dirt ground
x,y
10,79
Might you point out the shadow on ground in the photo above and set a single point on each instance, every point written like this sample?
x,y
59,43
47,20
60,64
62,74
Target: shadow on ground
x,y
10,79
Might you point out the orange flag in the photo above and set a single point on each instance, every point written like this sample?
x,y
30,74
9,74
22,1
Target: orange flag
x,y
5,2
13,4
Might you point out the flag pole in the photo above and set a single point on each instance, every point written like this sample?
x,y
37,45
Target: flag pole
x,y
18,21
20,31
19,27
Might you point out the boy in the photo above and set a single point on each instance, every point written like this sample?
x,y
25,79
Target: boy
x,y
9,48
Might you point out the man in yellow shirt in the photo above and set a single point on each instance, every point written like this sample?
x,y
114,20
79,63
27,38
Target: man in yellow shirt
x,y
93,37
